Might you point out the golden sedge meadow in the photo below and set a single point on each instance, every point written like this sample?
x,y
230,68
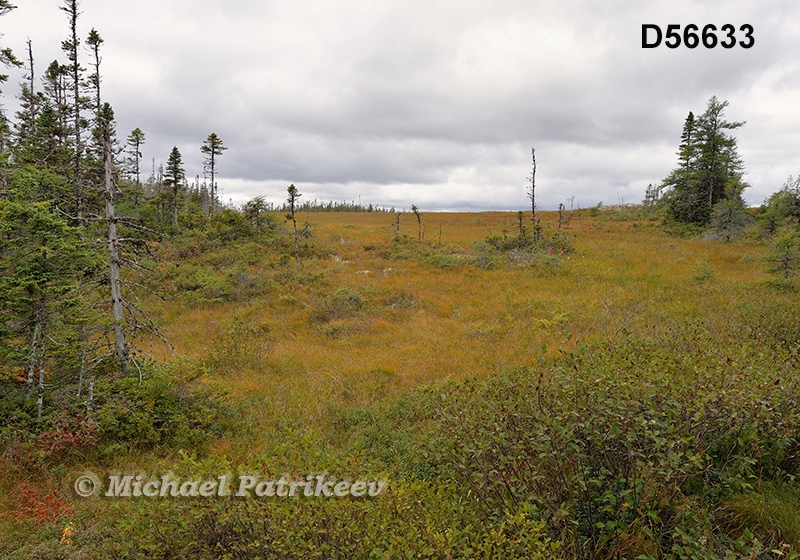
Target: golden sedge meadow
x,y
493,391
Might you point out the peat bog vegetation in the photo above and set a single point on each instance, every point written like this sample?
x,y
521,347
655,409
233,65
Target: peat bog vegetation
x,y
613,382
615,392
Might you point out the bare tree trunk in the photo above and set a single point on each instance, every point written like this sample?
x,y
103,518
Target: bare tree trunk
x,y
533,188
138,185
40,397
296,243
532,196
37,354
213,183
90,398
37,330
114,260
31,81
83,360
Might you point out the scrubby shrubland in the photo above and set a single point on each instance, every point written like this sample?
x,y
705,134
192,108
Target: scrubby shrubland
x,y
608,400
646,447
540,394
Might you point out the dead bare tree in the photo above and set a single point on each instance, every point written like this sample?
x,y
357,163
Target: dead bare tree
x,y
128,318
121,344
536,226
415,210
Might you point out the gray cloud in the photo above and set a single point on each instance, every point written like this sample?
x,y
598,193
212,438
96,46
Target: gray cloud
x,y
434,103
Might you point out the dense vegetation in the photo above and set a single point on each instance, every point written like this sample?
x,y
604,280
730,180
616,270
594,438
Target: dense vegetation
x,y
604,383
624,393
707,184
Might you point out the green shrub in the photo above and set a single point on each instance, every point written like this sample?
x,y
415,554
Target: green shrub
x,y
409,520
170,407
785,255
626,450
343,303
702,273
447,261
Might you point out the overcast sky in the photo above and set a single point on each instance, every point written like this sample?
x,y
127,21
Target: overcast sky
x,y
433,103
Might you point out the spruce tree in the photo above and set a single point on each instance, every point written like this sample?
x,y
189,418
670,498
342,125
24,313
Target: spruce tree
x,y
7,57
781,208
730,216
785,255
94,41
292,201
42,259
686,151
75,72
174,177
707,161
45,145
43,160
134,141
55,89
212,148
29,103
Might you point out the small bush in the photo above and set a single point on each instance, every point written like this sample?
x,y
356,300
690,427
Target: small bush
x,y
343,303
785,255
447,261
170,407
702,273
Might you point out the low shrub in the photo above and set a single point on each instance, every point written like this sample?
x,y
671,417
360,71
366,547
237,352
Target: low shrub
x,y
626,450
343,303
439,260
172,406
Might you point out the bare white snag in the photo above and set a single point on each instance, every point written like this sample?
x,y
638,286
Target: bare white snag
x,y
114,260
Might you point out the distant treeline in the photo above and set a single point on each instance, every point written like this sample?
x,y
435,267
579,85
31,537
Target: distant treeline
x,y
330,206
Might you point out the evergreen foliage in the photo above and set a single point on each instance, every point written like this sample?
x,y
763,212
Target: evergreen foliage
x,y
707,161
212,148
785,254
7,57
632,446
782,208
730,215
134,143
173,179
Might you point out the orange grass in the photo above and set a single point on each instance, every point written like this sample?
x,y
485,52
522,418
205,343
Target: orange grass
x,y
464,320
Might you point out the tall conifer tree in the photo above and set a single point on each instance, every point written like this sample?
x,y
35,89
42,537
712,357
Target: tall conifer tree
x,y
707,162
173,179
7,57
74,69
29,102
134,141
212,148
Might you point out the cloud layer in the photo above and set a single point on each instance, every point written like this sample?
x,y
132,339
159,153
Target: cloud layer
x,y
433,103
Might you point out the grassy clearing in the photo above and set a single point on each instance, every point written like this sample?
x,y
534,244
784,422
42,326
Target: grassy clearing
x,y
634,396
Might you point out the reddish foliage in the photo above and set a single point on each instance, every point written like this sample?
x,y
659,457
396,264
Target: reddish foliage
x,y
67,432
31,505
